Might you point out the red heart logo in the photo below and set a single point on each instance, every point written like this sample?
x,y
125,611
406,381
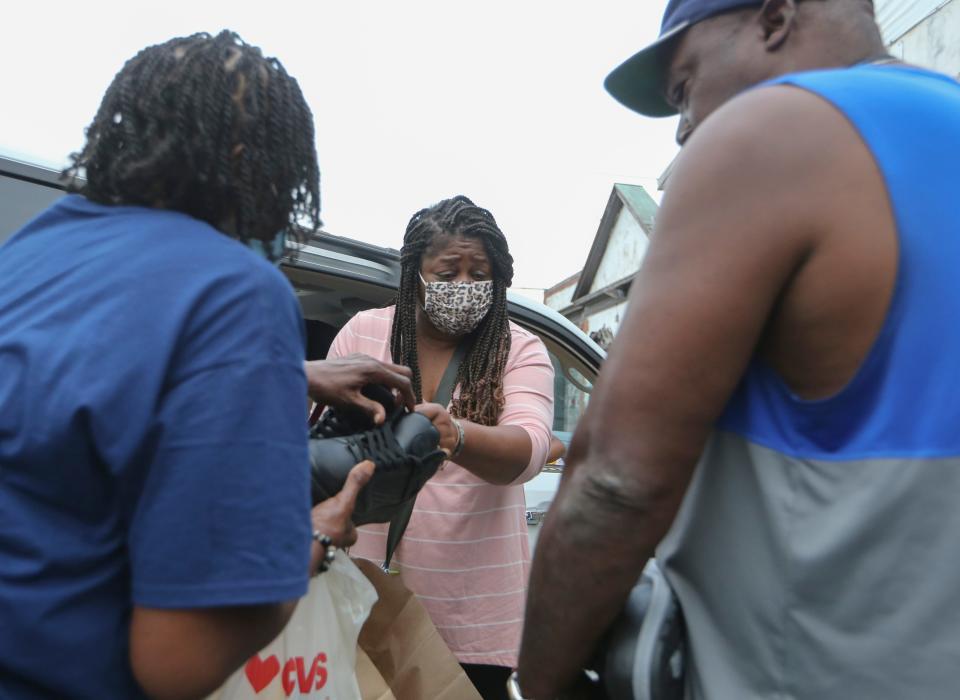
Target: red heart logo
x,y
260,673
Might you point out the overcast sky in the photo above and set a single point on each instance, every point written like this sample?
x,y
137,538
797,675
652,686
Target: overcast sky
x,y
414,102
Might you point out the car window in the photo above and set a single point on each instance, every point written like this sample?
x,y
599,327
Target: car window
x,y
571,393
25,191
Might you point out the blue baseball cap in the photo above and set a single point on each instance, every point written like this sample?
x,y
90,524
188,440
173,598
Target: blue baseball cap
x,y
637,83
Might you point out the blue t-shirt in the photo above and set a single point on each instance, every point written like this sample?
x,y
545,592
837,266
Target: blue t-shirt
x,y
153,443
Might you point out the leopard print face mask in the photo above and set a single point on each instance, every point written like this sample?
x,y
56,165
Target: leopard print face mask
x,y
456,308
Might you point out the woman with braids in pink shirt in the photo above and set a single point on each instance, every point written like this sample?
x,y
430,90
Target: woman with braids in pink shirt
x,y
465,552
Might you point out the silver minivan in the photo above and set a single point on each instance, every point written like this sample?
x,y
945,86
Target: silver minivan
x,y
335,277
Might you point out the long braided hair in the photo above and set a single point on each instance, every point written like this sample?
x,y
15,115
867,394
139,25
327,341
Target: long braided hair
x,y
210,127
480,376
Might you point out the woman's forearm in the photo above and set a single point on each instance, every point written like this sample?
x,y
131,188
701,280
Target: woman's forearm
x,y
497,454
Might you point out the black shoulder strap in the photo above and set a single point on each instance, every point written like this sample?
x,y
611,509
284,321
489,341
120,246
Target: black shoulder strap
x,y
443,396
448,381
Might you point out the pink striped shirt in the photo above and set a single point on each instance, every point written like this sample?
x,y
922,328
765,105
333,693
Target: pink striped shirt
x,y
465,553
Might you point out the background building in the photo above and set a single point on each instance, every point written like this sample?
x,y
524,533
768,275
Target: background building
x,y
924,32
596,297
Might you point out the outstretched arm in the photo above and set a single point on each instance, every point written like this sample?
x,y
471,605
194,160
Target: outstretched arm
x,y
516,449
165,644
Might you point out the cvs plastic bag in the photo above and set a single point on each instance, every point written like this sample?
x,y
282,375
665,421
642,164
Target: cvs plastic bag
x,y
315,656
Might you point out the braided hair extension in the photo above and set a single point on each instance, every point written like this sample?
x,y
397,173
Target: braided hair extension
x,y
210,127
481,373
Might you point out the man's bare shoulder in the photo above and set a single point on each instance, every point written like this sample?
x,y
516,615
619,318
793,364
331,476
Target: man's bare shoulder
x,y
780,118
770,161
768,138
780,180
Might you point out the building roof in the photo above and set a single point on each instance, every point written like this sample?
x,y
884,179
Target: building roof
x,y
572,279
639,204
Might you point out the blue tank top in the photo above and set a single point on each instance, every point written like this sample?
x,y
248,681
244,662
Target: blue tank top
x,y
815,555
910,121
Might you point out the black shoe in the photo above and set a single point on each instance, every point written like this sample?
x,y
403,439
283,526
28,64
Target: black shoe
x,y
405,450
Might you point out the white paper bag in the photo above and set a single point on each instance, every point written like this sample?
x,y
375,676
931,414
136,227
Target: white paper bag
x,y
315,656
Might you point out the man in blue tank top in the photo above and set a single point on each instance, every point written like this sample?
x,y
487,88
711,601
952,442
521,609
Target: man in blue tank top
x,y
778,415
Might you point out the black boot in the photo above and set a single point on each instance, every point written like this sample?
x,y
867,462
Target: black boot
x,y
405,450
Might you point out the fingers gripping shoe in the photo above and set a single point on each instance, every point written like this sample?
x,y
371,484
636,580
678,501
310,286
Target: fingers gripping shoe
x,y
405,449
347,420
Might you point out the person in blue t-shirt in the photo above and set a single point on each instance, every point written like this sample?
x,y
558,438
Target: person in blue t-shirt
x,y
155,523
